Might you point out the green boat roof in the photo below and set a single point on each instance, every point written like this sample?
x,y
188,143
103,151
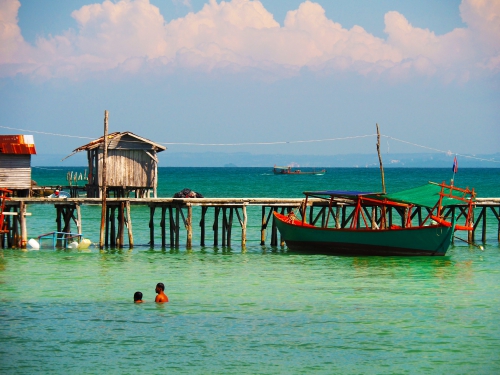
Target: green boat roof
x,y
425,196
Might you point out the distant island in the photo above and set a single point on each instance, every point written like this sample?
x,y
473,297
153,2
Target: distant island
x,y
245,159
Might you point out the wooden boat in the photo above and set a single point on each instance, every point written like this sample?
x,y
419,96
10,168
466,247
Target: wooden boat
x,y
371,233
289,170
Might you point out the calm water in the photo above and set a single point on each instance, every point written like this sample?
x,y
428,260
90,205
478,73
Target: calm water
x,y
262,310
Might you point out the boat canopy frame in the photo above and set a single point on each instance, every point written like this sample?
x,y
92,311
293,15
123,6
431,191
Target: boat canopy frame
x,y
447,195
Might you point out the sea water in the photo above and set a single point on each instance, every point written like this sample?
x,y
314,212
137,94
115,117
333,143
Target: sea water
x,y
260,310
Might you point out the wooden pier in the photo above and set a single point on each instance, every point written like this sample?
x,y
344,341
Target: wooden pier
x,y
170,215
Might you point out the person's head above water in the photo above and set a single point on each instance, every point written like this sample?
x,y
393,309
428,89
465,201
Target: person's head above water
x,y
160,286
137,297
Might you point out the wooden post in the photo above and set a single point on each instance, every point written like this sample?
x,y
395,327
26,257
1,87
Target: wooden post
x,y
103,187
177,226
151,226
106,230
171,225
216,226
337,215
274,230
78,219
121,229
59,225
112,235
470,235
374,219
380,160
202,225
244,227
129,226
230,226
189,226
162,225
24,233
263,227
483,238
224,226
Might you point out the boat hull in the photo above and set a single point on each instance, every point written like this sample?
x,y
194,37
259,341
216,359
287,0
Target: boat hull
x,y
417,241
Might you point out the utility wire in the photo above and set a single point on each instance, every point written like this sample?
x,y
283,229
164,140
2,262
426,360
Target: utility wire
x,y
268,143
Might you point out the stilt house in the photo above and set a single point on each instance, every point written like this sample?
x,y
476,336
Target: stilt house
x,y
15,163
132,165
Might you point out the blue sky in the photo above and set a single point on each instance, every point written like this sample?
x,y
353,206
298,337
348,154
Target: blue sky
x,y
248,72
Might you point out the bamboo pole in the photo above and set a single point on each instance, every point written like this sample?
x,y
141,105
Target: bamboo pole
x,y
103,187
380,160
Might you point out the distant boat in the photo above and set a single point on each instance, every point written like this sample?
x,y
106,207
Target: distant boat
x,y
289,170
361,234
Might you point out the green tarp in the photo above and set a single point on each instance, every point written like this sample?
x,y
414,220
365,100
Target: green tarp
x,y
426,196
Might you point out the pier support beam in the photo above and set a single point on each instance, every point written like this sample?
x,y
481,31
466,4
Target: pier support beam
x,y
189,226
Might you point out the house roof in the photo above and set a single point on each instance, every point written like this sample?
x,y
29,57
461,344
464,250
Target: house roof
x,y
116,140
17,144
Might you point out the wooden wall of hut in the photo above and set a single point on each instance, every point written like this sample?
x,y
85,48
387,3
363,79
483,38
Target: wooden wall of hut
x,y
131,167
15,173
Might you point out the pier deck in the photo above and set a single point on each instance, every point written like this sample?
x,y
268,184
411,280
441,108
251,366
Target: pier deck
x,y
180,213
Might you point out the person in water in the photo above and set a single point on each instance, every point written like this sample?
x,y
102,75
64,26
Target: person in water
x,y
161,296
138,297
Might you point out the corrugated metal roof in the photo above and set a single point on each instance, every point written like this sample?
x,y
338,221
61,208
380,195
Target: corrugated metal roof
x,y
17,144
114,138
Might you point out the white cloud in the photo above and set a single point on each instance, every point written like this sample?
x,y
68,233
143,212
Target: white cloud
x,y
132,36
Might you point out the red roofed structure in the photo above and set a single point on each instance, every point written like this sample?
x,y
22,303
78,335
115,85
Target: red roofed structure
x,y
15,163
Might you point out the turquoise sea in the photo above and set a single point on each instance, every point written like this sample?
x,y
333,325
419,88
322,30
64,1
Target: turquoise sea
x,y
263,310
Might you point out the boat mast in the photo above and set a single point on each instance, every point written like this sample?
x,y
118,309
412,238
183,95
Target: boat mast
x,y
380,160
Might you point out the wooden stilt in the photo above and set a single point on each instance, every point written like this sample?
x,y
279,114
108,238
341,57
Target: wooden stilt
x,y
78,219
15,229
202,225
121,229
106,230
112,234
163,226
274,230
263,227
229,226
337,216
24,233
129,227
152,226
59,224
177,226
374,217
470,235
172,226
216,226
483,212
189,226
244,227
224,226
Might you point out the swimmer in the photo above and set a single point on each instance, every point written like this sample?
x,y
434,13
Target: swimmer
x,y
138,297
161,297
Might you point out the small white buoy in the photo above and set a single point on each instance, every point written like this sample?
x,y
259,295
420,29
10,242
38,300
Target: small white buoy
x,y
73,245
33,244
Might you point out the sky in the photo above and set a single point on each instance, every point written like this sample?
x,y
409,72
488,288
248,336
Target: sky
x,y
266,77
